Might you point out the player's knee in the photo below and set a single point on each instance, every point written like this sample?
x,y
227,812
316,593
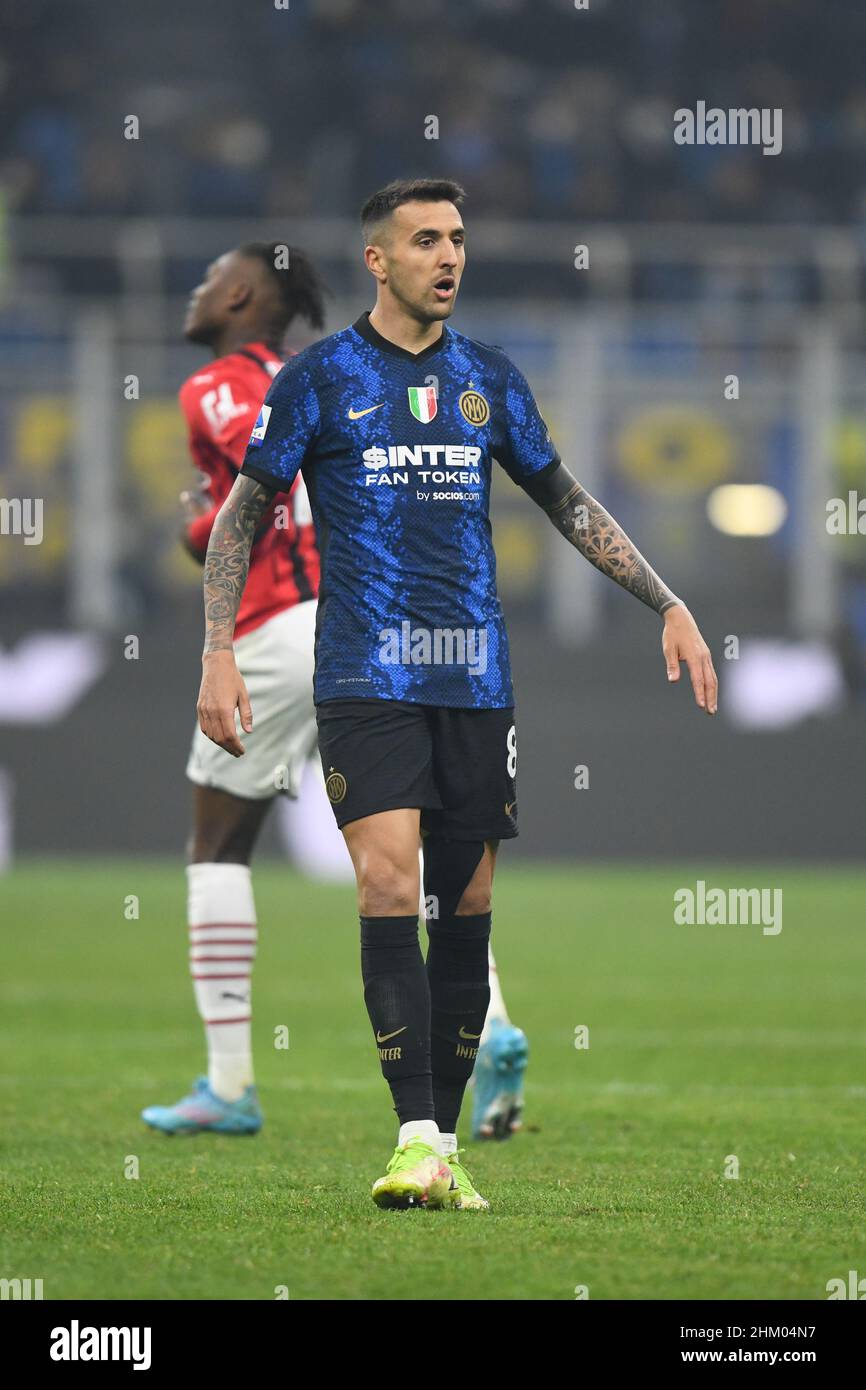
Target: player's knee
x,y
220,844
386,889
225,827
475,898
457,876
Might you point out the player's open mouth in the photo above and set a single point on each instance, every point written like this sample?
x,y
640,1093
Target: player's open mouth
x,y
445,287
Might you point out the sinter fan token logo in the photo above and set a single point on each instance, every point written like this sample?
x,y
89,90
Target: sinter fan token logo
x,y
335,786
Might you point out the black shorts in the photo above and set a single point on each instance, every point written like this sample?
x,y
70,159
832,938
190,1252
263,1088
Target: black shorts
x,y
457,765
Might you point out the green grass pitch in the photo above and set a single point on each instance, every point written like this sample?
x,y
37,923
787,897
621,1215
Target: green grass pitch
x,y
704,1041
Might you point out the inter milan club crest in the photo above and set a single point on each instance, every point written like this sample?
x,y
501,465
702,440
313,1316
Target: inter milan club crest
x,y
422,403
474,407
335,786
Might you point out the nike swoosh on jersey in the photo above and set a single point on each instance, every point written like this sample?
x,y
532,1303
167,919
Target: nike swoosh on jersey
x,y
383,1037
356,414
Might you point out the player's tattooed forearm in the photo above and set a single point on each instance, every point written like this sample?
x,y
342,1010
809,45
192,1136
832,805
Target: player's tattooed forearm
x,y
593,531
228,559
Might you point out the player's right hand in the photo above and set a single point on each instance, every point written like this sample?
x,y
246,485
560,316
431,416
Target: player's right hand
x,y
222,692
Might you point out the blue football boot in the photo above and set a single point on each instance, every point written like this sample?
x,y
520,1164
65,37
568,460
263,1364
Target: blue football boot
x,y
202,1110
498,1082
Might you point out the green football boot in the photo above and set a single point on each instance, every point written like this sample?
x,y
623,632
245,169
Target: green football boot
x,y
416,1177
465,1198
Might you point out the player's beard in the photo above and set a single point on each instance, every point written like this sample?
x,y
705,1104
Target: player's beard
x,y
443,311
422,310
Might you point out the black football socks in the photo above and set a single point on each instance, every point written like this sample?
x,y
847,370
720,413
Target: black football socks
x,y
397,995
457,968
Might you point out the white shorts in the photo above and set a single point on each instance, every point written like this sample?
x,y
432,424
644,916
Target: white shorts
x,y
276,661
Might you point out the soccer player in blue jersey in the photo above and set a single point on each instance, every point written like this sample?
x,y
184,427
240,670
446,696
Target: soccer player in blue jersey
x,y
396,422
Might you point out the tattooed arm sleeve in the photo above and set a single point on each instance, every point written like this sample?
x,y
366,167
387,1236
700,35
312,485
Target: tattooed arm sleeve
x,y
593,531
227,561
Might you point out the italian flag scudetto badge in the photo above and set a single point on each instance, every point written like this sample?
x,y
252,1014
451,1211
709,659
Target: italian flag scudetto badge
x,y
422,402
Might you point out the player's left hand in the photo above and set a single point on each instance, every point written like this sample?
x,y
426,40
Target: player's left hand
x,y
682,641
195,501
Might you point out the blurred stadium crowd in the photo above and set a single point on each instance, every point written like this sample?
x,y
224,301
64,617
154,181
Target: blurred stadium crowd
x,y
292,112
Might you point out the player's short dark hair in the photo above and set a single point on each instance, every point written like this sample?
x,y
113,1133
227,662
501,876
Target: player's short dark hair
x,y
380,205
301,289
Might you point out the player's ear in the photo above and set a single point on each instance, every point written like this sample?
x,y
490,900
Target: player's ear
x,y
374,258
240,294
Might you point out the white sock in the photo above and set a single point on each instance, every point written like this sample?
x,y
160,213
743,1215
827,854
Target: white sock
x,y
496,1009
222,934
426,1130
447,1144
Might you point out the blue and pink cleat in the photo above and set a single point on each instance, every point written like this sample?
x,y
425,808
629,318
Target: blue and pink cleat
x,y
203,1110
497,1105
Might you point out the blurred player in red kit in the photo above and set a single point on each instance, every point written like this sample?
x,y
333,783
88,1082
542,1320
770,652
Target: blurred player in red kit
x,y
241,312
